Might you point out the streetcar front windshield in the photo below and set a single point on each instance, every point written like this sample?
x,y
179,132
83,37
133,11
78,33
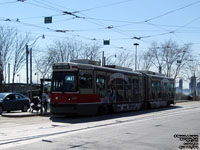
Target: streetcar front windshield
x,y
64,82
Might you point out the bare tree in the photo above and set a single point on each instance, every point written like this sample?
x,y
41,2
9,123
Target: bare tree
x,y
64,51
123,58
19,52
7,37
191,68
60,51
183,60
146,60
44,65
170,57
111,59
90,51
158,55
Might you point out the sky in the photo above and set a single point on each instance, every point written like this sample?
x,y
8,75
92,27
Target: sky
x,y
123,22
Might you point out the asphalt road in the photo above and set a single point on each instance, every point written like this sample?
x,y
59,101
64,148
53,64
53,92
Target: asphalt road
x,y
157,129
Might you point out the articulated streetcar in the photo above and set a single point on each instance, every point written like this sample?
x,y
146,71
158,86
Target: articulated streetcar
x,y
87,88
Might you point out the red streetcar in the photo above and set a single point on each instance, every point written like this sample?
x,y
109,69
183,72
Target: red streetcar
x,y
83,87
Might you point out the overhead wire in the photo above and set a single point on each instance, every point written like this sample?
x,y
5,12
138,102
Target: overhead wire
x,y
103,6
53,8
8,2
93,22
172,11
188,23
46,7
114,28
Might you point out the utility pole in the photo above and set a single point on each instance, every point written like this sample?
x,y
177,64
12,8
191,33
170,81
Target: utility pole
x,y
27,82
1,73
160,69
31,96
8,73
36,74
103,59
136,44
194,88
27,69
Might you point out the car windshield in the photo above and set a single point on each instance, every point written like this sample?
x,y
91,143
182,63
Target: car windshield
x,y
2,95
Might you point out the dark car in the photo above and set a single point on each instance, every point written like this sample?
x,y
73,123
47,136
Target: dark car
x,y
13,101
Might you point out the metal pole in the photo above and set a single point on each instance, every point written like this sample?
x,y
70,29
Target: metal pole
x,y
136,44
8,73
37,77
18,75
136,58
194,87
31,96
1,73
27,87
103,58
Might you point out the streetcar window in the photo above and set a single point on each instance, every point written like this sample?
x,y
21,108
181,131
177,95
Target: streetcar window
x,y
85,80
70,83
136,86
156,91
136,90
64,82
155,86
100,82
171,88
164,87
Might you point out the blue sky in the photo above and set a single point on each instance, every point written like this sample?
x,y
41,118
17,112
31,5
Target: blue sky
x,y
117,20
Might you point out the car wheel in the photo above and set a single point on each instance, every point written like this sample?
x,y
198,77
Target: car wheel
x,y
1,110
25,108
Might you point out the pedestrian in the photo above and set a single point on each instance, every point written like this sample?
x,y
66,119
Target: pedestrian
x,y
45,98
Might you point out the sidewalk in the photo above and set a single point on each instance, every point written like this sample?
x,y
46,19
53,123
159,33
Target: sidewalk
x,y
182,101
24,114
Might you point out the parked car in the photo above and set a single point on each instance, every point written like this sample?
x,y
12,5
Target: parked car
x,y
13,101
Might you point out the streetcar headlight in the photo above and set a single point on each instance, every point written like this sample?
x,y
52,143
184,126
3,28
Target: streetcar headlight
x,y
69,99
56,98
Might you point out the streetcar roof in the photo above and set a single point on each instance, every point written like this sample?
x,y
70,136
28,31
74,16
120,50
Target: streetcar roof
x,y
93,67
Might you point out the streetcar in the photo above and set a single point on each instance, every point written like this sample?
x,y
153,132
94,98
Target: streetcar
x,y
83,87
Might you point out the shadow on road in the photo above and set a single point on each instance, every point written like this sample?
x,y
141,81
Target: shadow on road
x,y
83,119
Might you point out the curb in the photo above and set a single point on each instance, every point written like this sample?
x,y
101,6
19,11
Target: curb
x,y
28,114
183,101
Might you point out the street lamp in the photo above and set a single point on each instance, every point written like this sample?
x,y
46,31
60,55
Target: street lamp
x,y
136,44
27,53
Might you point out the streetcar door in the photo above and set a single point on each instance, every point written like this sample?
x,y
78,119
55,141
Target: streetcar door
x,y
146,87
100,86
